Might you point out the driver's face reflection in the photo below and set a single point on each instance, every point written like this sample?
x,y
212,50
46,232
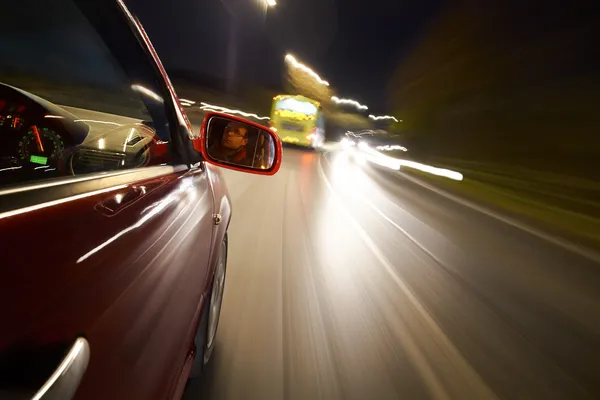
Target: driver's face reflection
x,y
234,137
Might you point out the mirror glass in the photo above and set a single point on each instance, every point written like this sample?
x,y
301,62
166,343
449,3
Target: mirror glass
x,y
234,142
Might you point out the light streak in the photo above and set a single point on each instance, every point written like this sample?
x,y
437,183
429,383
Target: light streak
x,y
355,103
292,60
147,92
391,147
79,345
396,163
210,107
59,201
377,118
97,122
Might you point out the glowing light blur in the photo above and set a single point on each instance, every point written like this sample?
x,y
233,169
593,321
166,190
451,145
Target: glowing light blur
x,y
271,3
392,147
60,201
354,103
74,352
187,101
147,92
101,143
292,60
98,122
128,139
377,118
347,143
210,107
10,168
396,163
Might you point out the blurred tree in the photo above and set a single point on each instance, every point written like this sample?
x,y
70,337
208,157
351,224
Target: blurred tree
x,y
300,82
503,81
349,121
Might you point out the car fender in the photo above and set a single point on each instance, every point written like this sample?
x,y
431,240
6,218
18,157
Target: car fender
x,y
221,210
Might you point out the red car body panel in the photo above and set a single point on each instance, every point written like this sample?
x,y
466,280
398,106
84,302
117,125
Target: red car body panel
x,y
132,283
128,266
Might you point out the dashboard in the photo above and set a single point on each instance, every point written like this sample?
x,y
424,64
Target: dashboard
x,y
28,144
40,140
33,135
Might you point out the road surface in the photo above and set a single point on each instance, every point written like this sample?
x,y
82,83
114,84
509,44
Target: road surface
x,y
350,282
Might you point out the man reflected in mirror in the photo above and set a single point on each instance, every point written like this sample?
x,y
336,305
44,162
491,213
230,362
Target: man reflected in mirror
x,y
232,146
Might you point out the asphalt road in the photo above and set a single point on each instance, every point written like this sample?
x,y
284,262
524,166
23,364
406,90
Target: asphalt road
x,y
351,282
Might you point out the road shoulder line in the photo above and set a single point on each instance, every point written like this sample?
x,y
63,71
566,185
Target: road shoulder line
x,y
585,252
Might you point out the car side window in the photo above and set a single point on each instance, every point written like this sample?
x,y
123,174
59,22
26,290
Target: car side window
x,y
67,107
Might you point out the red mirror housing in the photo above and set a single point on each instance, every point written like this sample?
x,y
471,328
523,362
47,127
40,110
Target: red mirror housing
x,y
239,144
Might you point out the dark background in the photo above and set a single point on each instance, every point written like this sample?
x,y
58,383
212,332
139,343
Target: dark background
x,y
355,45
506,80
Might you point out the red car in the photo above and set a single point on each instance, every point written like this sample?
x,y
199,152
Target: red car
x,y
113,222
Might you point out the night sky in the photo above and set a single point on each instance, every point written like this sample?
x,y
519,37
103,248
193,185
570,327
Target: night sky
x,y
353,44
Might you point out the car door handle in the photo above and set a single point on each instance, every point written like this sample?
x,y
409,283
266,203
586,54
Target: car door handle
x,y
115,203
65,379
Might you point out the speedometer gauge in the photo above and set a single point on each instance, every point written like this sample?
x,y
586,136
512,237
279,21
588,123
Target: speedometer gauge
x,y
40,146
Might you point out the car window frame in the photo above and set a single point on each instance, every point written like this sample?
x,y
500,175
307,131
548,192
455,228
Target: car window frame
x,y
28,194
182,132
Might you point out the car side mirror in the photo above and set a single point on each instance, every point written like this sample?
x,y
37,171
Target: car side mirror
x,y
239,144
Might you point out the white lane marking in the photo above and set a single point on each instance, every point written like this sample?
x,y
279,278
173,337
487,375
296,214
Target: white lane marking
x,y
403,231
478,387
395,225
577,249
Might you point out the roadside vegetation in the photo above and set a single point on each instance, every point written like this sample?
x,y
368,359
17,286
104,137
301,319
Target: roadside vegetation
x,y
567,206
516,113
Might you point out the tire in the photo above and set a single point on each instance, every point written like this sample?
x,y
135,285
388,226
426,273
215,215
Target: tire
x,y
209,322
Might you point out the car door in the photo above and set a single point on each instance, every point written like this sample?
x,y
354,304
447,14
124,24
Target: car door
x,y
105,239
